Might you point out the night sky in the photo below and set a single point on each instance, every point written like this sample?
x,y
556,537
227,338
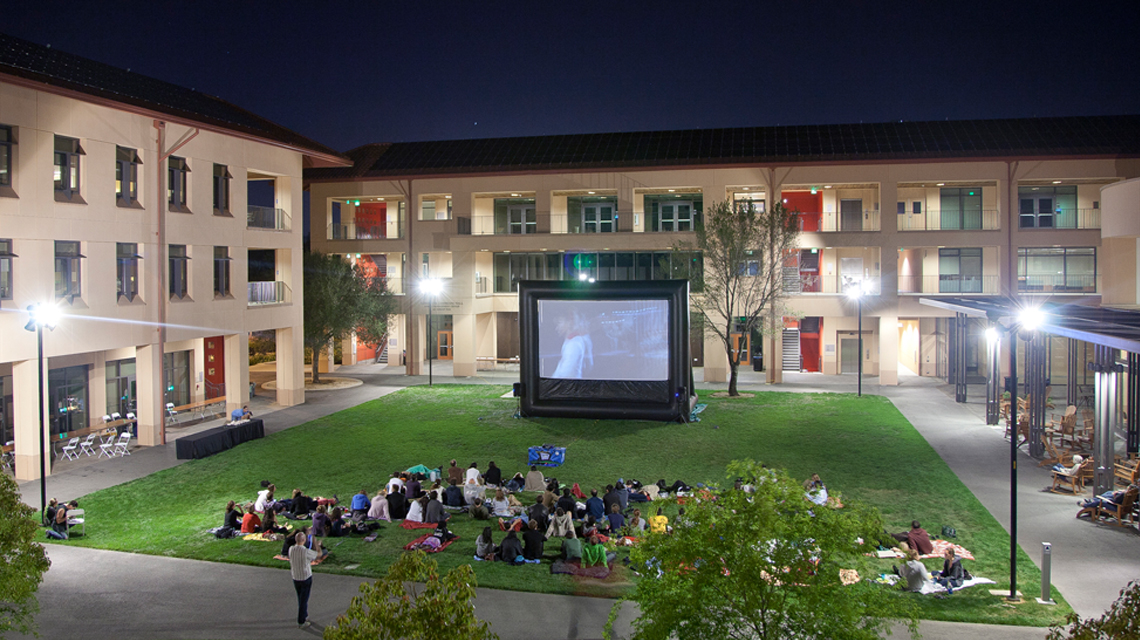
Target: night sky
x,y
347,74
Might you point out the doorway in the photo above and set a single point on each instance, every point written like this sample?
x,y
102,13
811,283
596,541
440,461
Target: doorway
x,y
849,355
443,345
850,215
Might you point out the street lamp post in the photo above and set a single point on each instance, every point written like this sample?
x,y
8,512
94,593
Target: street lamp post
x,y
431,288
857,294
39,316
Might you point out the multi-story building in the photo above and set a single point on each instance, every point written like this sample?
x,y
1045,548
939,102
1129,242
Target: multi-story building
x,y
907,210
135,206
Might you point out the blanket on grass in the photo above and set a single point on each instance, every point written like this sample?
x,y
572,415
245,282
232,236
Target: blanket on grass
x,y
940,547
575,568
313,563
937,588
418,541
408,524
263,537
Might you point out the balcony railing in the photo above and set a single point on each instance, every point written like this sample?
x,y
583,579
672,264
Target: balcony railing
x,y
934,220
950,284
1056,284
350,231
266,293
832,222
811,284
268,218
1063,219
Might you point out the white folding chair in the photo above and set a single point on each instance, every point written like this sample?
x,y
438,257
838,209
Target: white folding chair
x,y
116,416
123,444
71,449
106,419
76,517
88,445
170,412
107,449
7,460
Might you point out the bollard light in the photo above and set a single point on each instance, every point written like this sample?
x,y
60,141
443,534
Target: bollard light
x,y
1046,563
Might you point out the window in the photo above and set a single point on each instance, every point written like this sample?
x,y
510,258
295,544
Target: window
x,y
67,270
1056,269
222,179
917,207
960,271
671,213
126,176
221,272
67,152
1046,207
902,208
427,210
592,215
510,268
515,216
6,256
177,173
179,271
127,275
7,141
961,208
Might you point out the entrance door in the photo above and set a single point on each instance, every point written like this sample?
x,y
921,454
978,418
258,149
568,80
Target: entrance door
x,y
849,355
520,219
850,215
443,345
740,347
597,217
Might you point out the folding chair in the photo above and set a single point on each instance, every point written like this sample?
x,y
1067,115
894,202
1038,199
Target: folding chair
x,y
123,444
170,412
71,449
88,445
76,517
106,418
116,417
107,449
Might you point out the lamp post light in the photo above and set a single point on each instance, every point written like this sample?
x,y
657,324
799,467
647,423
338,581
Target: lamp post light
x,y
856,294
430,288
40,316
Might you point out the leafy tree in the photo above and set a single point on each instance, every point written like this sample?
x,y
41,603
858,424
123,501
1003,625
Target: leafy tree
x,y
24,561
1122,620
742,279
380,304
761,565
431,608
338,300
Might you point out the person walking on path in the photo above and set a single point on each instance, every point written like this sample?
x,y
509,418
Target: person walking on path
x,y
300,558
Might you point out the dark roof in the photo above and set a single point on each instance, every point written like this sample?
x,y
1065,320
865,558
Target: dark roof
x,y
56,68
1105,136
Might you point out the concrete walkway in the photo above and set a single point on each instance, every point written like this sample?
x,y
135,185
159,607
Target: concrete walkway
x,y
1091,563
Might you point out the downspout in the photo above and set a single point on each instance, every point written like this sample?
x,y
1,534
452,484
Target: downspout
x,y
1011,257
410,323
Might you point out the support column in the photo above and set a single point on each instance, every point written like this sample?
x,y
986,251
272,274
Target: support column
x,y
97,390
1072,389
1132,419
26,424
1104,405
774,367
236,354
889,350
150,400
463,341
1035,356
197,370
993,374
290,367
348,350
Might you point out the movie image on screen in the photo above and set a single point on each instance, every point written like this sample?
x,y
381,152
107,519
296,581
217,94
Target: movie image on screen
x,y
603,339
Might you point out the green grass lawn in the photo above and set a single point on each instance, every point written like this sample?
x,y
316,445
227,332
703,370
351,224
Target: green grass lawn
x,y
862,447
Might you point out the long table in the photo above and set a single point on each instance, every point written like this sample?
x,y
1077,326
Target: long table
x,y
211,441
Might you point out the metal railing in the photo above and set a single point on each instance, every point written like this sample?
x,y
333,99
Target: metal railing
x,y
933,220
810,284
1056,284
951,284
350,231
833,222
1063,219
271,292
259,217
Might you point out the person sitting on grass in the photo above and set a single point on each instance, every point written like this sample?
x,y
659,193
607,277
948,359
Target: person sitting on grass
x,y
538,512
500,506
269,524
321,522
433,510
412,487
571,547
472,473
478,511
593,553
659,523
511,547
437,539
473,491
589,528
360,504
534,480
454,473
494,475
264,499
338,526
635,492
549,497
560,525
232,518
916,576
395,484
609,499
622,493
636,523
301,505
59,528
952,575
378,510
416,510
567,502
397,504
817,494
516,483
595,506
250,522
616,519
485,545
453,495
533,541
917,538
52,507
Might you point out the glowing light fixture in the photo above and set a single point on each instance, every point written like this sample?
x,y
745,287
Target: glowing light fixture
x,y
1030,318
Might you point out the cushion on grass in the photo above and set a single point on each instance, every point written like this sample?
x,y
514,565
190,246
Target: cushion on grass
x,y
408,524
412,545
575,568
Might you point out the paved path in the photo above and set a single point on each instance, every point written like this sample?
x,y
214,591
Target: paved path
x,y
1091,563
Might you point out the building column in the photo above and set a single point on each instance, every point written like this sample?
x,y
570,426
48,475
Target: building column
x,y
150,400
236,355
889,349
716,361
198,370
348,350
97,389
25,395
774,354
290,367
463,344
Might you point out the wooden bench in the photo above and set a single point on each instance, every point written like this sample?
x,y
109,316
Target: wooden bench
x,y
201,406
482,363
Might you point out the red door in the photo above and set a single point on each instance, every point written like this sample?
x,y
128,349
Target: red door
x,y
215,352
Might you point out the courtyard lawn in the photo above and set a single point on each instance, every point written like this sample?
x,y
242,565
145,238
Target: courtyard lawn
x,y
856,444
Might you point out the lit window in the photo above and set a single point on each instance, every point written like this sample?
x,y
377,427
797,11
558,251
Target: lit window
x,y
67,153
177,174
127,272
126,176
179,271
68,261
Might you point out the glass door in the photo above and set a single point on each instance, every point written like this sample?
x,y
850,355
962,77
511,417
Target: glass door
x,y
521,219
443,345
597,217
850,215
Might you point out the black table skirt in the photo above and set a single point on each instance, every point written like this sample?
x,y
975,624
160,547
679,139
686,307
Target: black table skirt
x,y
211,441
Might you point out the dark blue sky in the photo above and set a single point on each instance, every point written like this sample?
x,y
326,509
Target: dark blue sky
x,y
346,74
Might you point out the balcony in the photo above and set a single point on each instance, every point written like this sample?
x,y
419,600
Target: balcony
x,y
984,220
949,284
269,293
1062,219
1056,284
350,231
268,218
831,222
811,284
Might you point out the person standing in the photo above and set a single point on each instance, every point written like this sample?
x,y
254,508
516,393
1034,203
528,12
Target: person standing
x,y
300,559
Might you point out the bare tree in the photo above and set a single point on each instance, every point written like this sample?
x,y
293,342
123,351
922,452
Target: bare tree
x,y
742,283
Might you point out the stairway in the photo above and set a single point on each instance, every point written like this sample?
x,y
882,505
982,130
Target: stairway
x,y
791,348
383,357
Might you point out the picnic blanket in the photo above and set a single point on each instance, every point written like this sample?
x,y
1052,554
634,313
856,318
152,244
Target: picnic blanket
x,y
937,588
408,524
419,468
263,537
940,547
575,568
313,563
414,543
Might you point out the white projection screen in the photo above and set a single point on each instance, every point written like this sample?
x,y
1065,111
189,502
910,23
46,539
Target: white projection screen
x,y
603,339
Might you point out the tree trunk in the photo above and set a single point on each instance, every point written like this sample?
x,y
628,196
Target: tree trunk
x,y
733,365
316,366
